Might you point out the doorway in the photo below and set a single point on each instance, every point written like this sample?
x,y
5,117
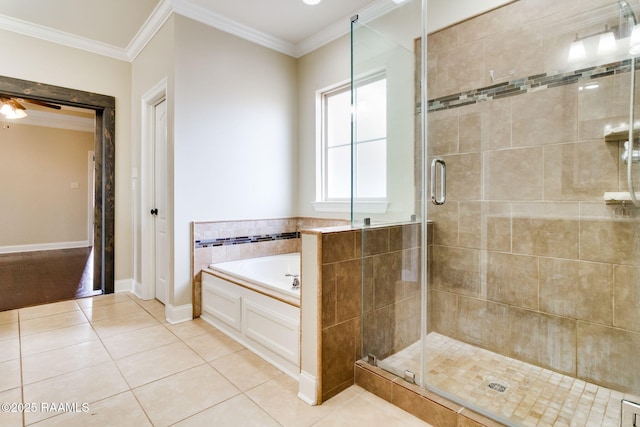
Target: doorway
x,y
104,188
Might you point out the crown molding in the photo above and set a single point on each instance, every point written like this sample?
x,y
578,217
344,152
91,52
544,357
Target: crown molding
x,y
197,13
342,27
185,8
60,37
154,22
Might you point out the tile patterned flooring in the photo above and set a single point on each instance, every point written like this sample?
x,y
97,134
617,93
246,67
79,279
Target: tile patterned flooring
x,y
113,360
534,396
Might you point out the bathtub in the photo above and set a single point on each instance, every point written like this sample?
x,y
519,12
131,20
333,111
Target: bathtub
x,y
273,273
253,302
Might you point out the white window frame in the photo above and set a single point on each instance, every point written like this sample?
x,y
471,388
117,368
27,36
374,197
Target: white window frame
x,y
323,203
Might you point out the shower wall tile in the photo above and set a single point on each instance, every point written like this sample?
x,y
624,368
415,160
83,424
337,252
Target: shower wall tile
x,y
545,117
514,53
443,133
445,223
375,241
370,279
470,225
407,320
459,69
606,352
470,138
580,171
576,289
513,279
546,237
343,246
404,237
443,309
329,298
387,273
499,124
339,344
378,335
514,174
612,241
456,270
483,323
544,340
594,115
464,176
483,26
348,296
626,298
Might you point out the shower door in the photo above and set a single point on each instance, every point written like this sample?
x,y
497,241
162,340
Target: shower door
x,y
534,298
386,179
518,294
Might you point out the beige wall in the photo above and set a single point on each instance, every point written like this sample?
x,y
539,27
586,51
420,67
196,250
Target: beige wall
x,y
36,60
231,133
37,167
322,68
152,65
235,128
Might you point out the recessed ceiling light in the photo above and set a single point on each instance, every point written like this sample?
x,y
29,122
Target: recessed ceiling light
x,y
311,2
398,1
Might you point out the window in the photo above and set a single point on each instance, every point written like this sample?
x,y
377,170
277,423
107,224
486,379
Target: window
x,y
370,142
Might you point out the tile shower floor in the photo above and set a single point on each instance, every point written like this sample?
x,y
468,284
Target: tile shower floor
x,y
525,394
113,360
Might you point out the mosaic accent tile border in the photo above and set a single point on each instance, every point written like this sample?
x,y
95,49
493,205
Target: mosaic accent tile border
x,y
527,84
228,241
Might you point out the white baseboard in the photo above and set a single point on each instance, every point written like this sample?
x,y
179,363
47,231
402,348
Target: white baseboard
x,y
179,314
136,289
308,389
43,247
125,285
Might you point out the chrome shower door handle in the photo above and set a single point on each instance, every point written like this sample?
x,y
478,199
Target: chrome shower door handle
x,y
438,164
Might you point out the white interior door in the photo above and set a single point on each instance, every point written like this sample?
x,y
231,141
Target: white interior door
x,y
160,211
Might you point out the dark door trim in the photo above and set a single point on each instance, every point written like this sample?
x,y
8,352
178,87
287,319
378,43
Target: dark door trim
x,y
105,109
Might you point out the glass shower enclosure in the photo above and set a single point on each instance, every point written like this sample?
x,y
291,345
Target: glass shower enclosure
x,y
501,264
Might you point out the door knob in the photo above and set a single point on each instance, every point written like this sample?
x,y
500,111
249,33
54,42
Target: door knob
x,y
154,211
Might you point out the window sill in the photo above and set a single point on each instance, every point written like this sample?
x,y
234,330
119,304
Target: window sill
x,y
377,207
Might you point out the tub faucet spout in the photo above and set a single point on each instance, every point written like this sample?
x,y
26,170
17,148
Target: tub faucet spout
x,y
296,281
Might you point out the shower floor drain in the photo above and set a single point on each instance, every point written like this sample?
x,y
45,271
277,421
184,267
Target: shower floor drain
x,y
497,387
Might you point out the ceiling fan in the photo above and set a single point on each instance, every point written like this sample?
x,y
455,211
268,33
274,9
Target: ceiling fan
x,y
12,108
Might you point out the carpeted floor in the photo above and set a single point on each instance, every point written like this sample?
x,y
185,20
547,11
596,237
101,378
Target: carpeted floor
x,y
31,278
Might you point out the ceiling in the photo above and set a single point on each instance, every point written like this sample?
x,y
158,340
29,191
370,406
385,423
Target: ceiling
x,y
121,28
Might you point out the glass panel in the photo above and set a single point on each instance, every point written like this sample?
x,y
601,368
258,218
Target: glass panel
x,y
532,307
371,170
371,101
384,159
338,118
339,176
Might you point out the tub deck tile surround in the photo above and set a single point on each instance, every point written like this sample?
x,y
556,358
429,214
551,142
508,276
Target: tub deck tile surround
x,y
220,241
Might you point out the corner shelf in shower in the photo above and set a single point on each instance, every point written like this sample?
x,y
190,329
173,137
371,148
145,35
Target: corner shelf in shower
x,y
620,133
618,197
